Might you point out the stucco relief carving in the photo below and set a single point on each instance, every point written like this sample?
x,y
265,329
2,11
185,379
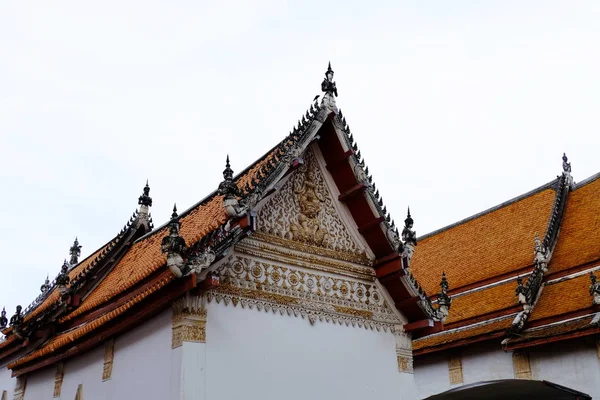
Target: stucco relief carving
x,y
109,355
303,211
403,350
189,320
20,387
58,379
252,283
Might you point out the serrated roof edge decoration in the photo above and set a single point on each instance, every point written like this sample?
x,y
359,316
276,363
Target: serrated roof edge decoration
x,y
361,171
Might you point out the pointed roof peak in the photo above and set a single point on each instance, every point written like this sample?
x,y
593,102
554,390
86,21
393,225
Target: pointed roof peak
x,y
174,215
566,164
145,199
329,68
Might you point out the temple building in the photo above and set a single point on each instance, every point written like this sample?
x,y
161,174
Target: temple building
x,y
292,280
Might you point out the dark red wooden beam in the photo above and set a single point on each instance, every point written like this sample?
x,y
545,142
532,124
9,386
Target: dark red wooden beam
x,y
392,266
370,225
353,191
336,163
160,301
417,325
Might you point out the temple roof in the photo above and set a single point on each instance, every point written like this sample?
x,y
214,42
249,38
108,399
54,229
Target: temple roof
x,y
484,255
127,280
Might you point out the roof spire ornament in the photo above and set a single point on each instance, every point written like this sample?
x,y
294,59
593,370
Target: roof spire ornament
x,y
444,300
45,288
230,192
145,202
62,280
3,319
595,288
17,319
409,237
567,171
75,252
328,86
174,246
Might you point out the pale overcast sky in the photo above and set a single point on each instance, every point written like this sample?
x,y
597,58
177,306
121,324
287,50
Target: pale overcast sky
x,y
456,106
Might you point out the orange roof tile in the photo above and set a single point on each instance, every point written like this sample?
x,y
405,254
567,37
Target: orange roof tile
x,y
579,237
54,295
489,245
482,302
563,297
146,256
66,338
466,333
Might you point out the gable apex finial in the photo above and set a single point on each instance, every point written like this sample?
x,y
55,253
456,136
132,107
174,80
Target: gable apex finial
x,y
329,87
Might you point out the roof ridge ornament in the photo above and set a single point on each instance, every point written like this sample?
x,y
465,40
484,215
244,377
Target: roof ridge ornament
x,y
567,171
75,252
17,319
62,279
145,202
3,319
174,246
230,192
444,301
45,288
409,237
329,87
595,288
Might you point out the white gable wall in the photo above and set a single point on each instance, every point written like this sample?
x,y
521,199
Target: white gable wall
x,y
280,356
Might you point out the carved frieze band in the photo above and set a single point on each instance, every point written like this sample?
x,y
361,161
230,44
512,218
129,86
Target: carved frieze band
x,y
189,320
284,251
254,283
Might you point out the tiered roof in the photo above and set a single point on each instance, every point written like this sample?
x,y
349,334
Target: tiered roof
x,y
127,281
484,257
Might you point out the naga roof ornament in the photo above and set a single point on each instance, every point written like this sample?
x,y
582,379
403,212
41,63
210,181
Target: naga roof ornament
x,y
444,300
75,252
595,288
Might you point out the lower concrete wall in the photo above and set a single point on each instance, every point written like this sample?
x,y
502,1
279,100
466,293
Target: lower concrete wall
x,y
574,364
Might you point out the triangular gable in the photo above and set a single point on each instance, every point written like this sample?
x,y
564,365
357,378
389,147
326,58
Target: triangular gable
x,y
305,212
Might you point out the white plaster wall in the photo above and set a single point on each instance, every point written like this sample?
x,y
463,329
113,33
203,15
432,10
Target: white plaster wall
x,y
142,363
251,354
573,364
142,369
6,382
41,384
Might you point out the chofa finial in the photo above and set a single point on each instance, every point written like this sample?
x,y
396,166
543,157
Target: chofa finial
x,y
329,87
174,215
